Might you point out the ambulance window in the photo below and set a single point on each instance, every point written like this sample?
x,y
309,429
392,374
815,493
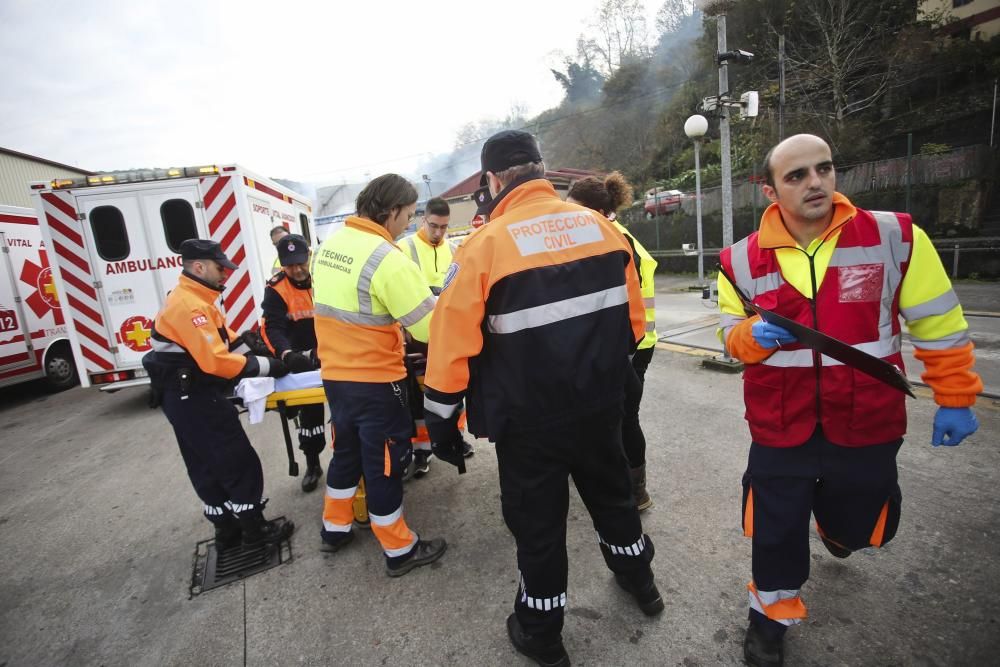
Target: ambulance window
x,y
110,236
304,221
178,223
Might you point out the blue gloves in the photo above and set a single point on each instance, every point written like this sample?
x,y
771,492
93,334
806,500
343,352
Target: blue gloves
x,y
955,424
770,335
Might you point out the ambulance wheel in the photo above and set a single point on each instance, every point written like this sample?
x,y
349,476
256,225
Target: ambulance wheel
x,y
60,369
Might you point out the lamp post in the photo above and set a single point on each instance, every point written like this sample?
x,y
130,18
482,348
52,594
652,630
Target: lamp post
x,y
427,180
695,128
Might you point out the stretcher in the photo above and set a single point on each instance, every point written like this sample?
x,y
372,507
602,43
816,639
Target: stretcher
x,y
307,391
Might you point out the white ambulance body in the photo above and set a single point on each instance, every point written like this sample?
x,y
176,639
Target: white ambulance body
x,y
33,338
116,252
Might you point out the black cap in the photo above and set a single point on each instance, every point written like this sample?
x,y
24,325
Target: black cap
x,y
508,149
292,249
205,249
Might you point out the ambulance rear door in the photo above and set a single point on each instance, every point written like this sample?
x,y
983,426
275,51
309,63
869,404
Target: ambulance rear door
x,y
134,238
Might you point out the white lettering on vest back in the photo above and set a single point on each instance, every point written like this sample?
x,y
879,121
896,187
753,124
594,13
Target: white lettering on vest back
x,y
555,232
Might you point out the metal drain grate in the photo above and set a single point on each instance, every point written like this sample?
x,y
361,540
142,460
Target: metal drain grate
x,y
214,568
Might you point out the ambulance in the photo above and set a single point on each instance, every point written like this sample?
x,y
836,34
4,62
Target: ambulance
x,y
33,339
115,240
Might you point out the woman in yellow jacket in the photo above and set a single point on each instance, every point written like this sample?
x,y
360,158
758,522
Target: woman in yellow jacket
x,y
607,196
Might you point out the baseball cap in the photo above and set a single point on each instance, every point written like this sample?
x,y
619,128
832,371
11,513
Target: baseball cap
x,y
205,249
508,149
292,249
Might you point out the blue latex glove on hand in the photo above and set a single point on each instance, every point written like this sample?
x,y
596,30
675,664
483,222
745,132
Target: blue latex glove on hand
x,y
770,335
955,424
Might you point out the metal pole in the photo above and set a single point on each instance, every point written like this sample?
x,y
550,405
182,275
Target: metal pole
x,y
954,263
781,87
727,167
909,167
993,117
697,209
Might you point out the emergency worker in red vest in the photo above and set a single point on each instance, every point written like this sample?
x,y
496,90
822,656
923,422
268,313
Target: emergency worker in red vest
x,y
825,435
194,361
287,327
539,313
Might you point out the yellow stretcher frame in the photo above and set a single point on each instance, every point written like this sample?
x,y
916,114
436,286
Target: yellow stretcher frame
x,y
281,401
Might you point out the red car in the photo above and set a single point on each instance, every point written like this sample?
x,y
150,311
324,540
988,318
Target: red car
x,y
661,202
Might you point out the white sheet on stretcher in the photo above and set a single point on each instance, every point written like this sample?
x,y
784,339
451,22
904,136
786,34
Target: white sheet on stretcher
x,y
254,391
292,381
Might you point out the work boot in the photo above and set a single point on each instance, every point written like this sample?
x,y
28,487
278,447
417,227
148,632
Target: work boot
x,y
337,545
421,463
228,533
257,530
311,479
835,549
642,500
468,451
646,595
761,651
424,553
549,653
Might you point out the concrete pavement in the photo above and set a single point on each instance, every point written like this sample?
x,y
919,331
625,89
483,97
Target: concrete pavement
x,y
98,524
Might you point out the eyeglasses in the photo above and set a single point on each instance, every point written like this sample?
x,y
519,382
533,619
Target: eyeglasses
x,y
411,216
436,227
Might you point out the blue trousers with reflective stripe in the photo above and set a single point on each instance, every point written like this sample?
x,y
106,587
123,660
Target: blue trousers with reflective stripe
x,y
371,420
221,463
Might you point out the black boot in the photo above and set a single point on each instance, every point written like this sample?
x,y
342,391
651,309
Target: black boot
x,y
642,500
549,653
257,530
314,473
228,533
644,591
759,650
424,553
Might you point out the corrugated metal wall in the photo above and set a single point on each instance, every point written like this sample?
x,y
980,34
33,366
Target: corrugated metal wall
x,y
16,172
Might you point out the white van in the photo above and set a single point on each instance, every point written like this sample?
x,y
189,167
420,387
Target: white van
x,y
33,338
116,240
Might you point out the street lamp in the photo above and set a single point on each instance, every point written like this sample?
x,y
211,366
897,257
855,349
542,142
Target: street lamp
x,y
427,180
695,127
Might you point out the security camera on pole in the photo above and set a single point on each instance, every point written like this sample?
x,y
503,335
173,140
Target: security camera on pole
x,y
747,104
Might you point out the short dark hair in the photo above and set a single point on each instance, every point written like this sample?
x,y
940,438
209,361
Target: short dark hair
x,y
766,166
437,206
382,195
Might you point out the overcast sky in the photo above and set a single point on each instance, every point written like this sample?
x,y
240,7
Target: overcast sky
x,y
319,91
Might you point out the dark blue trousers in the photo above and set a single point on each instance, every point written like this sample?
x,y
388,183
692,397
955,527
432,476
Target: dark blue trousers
x,y
221,463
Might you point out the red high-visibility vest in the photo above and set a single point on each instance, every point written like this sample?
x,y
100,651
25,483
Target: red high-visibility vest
x,y
795,388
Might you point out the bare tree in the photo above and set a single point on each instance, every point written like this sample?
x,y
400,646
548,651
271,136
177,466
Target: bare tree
x,y
839,59
671,14
622,34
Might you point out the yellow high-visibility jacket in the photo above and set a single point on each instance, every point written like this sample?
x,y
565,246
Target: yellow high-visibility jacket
x,y
433,260
647,271
364,288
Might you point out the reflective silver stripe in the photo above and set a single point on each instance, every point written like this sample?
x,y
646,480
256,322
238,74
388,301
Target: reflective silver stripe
x,y
631,550
650,326
386,519
960,339
891,232
418,313
441,409
769,598
265,366
336,527
804,358
939,305
402,551
856,256
242,348
214,510
237,508
649,301
310,432
349,317
340,494
766,283
541,604
727,320
165,346
740,258
557,311
365,277
413,249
